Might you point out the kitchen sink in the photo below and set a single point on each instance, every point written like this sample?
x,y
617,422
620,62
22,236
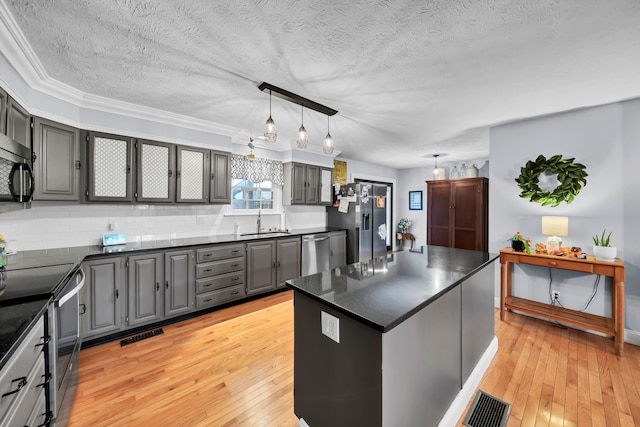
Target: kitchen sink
x,y
267,234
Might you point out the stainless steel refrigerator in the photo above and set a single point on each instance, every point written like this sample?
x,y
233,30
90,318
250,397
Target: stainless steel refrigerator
x,y
363,215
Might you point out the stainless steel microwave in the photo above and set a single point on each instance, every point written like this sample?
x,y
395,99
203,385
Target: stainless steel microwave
x,y
16,176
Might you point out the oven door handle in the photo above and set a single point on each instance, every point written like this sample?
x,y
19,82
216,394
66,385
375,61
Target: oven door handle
x,y
79,284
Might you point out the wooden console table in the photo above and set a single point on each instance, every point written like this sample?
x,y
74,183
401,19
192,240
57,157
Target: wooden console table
x,y
611,326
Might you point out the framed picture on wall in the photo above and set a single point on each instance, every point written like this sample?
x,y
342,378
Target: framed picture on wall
x,y
415,200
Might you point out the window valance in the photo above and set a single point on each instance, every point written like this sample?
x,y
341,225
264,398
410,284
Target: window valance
x,y
257,170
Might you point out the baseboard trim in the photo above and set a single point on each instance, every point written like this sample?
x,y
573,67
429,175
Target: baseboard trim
x,y
459,404
632,337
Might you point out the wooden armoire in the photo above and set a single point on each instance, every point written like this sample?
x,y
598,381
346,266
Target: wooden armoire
x,y
458,213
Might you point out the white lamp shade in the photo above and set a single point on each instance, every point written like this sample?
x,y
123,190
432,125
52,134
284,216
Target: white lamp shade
x,y
555,225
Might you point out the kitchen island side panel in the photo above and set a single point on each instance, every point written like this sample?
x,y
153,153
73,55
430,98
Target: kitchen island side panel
x,y
335,384
478,329
421,364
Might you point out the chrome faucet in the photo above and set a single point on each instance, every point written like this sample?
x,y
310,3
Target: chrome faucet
x,y
259,220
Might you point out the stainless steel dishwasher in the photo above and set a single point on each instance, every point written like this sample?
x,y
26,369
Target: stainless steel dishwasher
x,y
315,253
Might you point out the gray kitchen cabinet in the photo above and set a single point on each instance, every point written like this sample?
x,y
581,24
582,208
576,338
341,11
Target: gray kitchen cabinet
x,y
179,282
155,171
261,266
312,185
18,123
110,168
325,189
192,175
288,260
146,276
303,184
56,149
337,249
102,296
220,274
21,379
220,185
3,111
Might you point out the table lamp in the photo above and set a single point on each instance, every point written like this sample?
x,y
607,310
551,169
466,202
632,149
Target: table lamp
x,y
554,227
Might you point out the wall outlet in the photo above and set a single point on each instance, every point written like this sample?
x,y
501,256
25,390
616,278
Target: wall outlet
x,y
112,224
330,326
556,295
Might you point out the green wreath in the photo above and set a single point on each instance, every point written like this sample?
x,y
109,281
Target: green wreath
x,y
572,177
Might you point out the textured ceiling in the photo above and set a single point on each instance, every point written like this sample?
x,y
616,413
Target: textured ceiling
x,y
409,78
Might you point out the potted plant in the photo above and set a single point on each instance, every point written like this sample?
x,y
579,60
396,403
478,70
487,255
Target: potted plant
x,y
403,226
602,249
519,243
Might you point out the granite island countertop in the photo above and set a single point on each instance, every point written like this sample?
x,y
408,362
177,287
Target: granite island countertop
x,y
384,292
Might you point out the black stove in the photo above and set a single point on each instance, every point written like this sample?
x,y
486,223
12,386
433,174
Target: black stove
x,y
19,285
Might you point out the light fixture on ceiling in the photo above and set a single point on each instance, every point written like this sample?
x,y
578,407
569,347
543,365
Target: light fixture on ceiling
x,y
327,146
303,138
435,170
270,132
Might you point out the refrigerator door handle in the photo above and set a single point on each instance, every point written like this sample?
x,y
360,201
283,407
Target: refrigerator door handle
x,y
365,222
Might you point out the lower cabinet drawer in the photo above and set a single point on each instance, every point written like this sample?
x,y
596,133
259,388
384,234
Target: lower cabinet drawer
x,y
220,296
39,413
26,399
219,267
220,281
16,373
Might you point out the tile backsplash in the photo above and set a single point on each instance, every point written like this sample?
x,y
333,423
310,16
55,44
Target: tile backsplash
x,y
46,226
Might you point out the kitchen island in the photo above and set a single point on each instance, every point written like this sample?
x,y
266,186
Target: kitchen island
x,y
393,341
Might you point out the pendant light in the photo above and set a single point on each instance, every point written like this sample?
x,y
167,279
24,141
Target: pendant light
x,y
327,147
435,170
270,132
303,139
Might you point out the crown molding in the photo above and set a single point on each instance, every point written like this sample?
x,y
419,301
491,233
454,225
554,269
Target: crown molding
x,y
18,52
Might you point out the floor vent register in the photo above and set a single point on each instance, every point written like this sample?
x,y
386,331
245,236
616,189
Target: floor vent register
x,y
140,337
487,411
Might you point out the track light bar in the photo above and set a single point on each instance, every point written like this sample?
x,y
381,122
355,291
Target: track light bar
x,y
296,99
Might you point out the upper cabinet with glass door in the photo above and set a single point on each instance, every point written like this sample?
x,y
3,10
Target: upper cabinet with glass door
x,y
110,162
192,175
155,174
326,186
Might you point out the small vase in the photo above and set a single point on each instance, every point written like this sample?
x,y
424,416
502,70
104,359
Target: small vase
x,y
605,253
517,245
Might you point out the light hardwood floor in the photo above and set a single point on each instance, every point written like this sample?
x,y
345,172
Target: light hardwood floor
x,y
235,367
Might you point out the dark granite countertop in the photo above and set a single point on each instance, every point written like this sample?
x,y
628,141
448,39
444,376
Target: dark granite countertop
x,y
383,292
15,323
76,254
16,318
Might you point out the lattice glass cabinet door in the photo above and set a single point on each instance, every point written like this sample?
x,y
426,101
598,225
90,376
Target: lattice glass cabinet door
x,y
192,175
110,162
156,165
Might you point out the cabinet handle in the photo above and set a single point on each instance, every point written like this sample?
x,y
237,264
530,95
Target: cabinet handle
x,y
208,284
157,286
128,169
278,264
47,379
167,284
207,300
170,173
83,308
235,279
273,264
78,164
234,265
178,173
235,292
45,342
213,176
206,255
22,381
553,263
117,294
235,251
207,270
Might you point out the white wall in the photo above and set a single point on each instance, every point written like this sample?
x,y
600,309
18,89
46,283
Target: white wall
x,y
602,138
